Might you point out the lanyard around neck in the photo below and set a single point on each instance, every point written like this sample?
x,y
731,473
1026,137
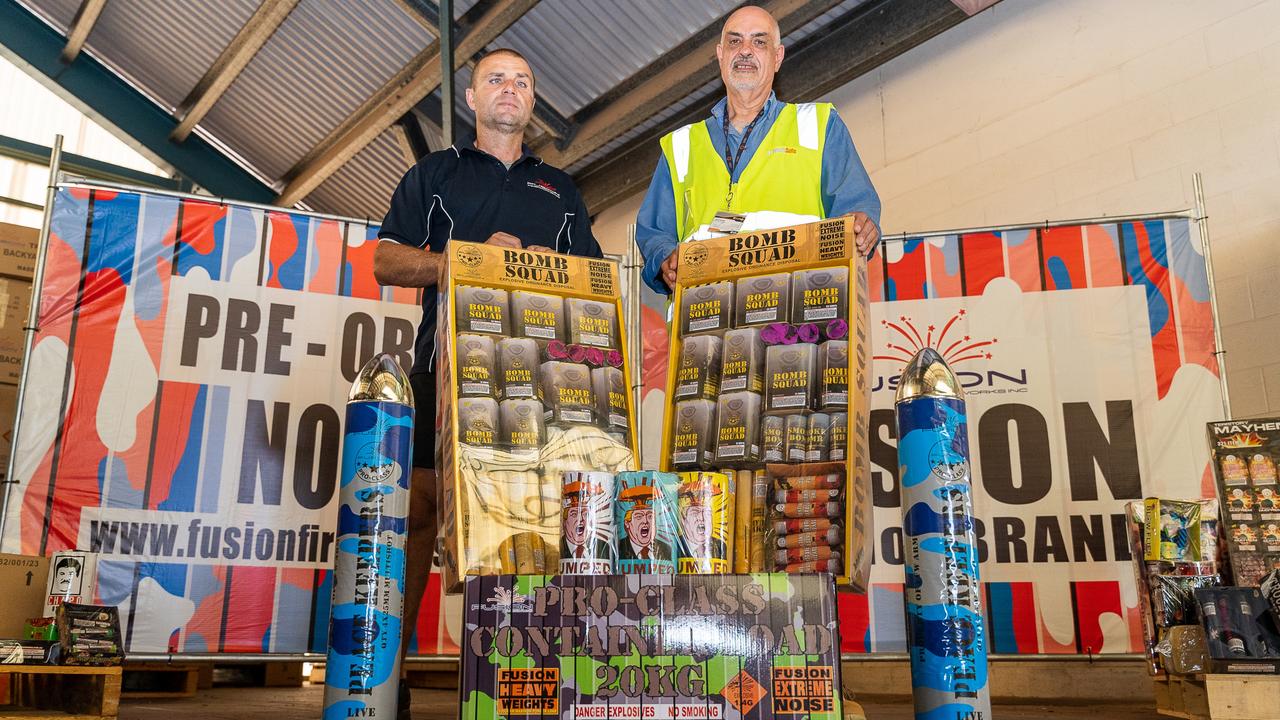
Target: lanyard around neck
x,y
731,160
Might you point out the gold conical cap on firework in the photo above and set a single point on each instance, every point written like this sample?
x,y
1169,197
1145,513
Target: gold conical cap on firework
x,y
381,380
927,375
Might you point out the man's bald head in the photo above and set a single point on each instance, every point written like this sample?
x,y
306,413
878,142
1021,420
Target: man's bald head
x,y
750,51
752,14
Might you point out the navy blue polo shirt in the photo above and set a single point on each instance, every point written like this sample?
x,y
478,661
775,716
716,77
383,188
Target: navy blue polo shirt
x,y
462,193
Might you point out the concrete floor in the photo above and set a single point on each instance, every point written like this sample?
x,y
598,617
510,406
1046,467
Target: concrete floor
x,y
304,704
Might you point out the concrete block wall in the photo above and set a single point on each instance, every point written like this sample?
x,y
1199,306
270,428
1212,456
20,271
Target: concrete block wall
x,y
1039,110
1060,109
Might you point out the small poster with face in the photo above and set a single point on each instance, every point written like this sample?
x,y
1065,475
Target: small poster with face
x,y
705,509
72,578
646,520
588,542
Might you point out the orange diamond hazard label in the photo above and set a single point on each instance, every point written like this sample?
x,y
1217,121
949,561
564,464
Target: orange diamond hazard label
x,y
743,692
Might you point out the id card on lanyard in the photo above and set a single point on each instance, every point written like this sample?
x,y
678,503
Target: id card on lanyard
x,y
726,221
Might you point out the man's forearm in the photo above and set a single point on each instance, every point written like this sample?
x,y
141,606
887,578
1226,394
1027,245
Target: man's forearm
x,y
405,266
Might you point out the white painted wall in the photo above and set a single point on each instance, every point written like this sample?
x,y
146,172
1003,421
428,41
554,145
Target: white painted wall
x,y
1059,109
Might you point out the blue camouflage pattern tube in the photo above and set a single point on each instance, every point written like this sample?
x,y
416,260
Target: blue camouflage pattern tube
x,y
363,667
946,637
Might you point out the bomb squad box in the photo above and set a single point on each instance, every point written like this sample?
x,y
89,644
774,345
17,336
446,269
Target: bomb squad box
x,y
650,646
532,380
769,372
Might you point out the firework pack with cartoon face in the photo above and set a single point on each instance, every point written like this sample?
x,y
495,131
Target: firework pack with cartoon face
x,y
769,350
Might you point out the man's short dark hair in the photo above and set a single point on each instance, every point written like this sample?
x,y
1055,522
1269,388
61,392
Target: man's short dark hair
x,y
475,74
64,562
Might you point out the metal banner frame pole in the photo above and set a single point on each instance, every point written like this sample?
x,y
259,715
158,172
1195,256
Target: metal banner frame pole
x,y
1219,352
632,286
33,316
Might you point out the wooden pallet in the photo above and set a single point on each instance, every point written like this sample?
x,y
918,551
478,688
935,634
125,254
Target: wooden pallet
x,y
265,674
436,675
1218,696
60,691
440,676
160,680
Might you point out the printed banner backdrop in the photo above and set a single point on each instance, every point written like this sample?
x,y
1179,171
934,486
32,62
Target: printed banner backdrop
x,y
1086,352
184,404
183,414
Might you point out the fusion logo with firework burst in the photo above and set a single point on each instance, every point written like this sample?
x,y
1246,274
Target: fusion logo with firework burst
x,y
505,600
905,339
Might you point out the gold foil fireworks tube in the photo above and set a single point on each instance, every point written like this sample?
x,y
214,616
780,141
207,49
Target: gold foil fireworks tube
x,y
742,522
705,516
524,553
759,511
507,557
539,547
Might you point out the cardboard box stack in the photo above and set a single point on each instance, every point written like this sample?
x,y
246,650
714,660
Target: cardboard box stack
x,y
17,267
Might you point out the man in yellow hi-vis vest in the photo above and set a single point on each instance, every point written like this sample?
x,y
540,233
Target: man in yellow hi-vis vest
x,y
756,163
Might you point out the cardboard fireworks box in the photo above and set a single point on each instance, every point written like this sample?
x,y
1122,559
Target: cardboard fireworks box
x,y
1246,454
651,646
533,382
23,578
769,370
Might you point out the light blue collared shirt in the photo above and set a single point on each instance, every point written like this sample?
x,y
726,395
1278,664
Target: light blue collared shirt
x,y
846,187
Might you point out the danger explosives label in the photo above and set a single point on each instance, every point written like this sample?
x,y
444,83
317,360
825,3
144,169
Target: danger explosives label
x,y
529,691
803,690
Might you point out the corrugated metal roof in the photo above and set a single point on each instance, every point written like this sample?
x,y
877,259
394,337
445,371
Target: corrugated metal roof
x,y
326,59
581,48
329,56
363,187
57,13
162,59
167,59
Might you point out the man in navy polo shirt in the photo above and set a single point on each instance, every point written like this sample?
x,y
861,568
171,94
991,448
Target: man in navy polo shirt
x,y
490,190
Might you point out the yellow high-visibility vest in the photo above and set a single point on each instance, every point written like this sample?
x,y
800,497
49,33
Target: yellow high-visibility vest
x,y
784,176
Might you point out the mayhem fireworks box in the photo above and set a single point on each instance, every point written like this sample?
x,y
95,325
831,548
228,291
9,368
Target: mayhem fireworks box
x,y
1246,454
650,646
770,347
532,382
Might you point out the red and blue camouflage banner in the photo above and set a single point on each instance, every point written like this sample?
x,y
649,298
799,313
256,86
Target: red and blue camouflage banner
x,y
183,413
1087,355
193,359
